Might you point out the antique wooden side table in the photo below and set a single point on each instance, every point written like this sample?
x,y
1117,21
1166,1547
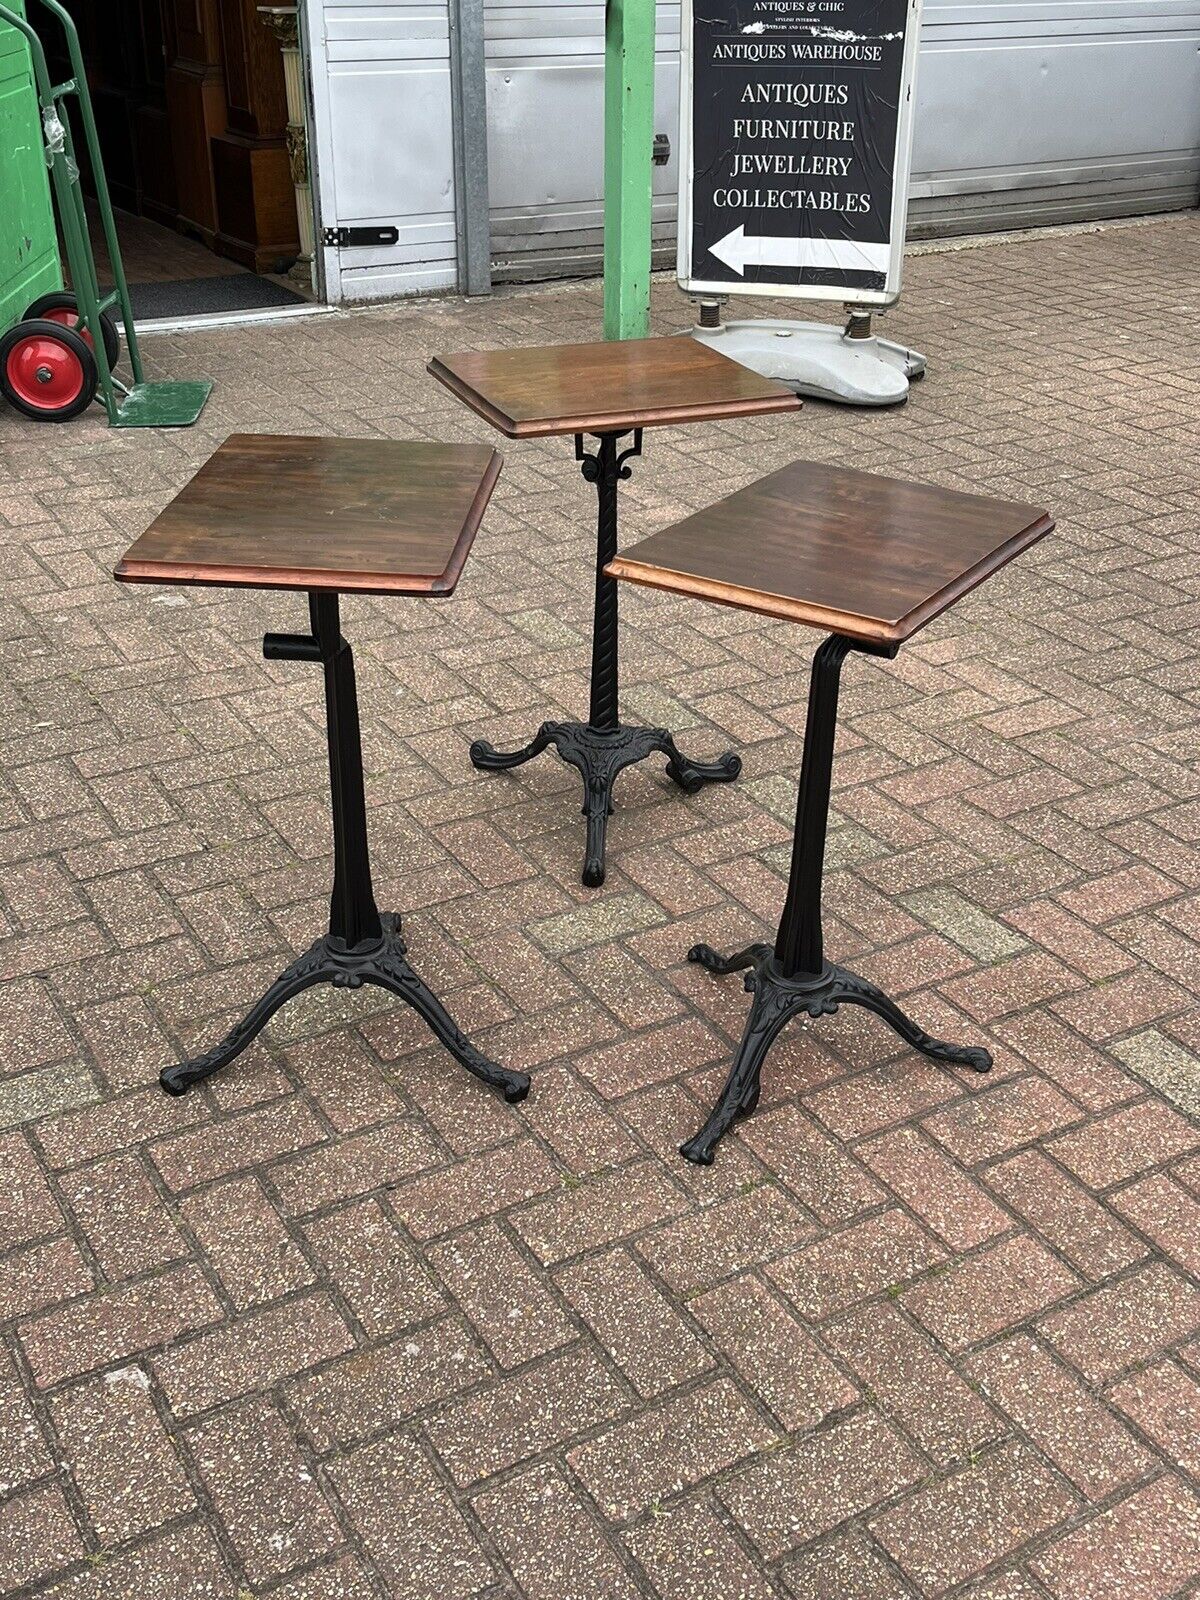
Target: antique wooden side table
x,y
870,560
608,391
330,516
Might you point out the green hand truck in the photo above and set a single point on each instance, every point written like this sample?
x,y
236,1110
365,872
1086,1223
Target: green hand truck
x,y
58,350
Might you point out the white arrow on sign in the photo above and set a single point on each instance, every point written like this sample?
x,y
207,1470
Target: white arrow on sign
x,y
740,250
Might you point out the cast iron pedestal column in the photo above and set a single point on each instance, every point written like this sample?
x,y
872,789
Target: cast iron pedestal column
x,y
792,976
601,747
361,946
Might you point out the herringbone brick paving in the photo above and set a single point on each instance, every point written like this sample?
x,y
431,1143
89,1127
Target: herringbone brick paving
x,y
344,1325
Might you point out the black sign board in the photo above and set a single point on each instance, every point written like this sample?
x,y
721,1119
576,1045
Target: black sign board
x,y
795,130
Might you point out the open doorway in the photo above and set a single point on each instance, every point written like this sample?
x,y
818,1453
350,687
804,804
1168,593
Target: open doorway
x,y
192,114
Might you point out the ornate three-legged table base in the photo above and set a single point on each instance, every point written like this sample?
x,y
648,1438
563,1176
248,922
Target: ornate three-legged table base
x,y
600,754
777,999
361,946
602,746
792,977
381,961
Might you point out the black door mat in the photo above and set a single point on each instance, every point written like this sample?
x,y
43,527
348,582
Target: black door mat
x,y
196,297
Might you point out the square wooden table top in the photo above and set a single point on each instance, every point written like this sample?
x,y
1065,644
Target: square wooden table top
x,y
270,511
607,388
870,557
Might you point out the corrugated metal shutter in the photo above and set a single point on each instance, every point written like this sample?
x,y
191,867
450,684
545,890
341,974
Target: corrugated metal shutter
x,y
1027,113
1054,111
545,92
1045,111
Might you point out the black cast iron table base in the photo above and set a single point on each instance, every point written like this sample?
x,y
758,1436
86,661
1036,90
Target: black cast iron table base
x,y
792,976
777,999
602,746
600,754
361,946
381,961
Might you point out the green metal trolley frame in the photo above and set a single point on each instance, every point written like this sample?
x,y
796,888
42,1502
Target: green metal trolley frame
x,y
59,353
29,265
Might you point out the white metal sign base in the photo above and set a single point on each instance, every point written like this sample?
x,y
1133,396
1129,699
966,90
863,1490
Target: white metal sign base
x,y
819,359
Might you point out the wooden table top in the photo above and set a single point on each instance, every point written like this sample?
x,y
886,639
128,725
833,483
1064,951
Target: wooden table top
x,y
608,387
848,552
373,516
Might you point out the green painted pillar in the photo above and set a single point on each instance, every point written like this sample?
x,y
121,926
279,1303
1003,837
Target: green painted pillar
x,y
628,166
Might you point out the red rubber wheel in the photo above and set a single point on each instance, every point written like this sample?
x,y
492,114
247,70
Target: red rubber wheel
x,y
47,371
62,307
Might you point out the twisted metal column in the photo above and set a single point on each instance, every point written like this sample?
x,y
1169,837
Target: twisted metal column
x,y
601,747
605,469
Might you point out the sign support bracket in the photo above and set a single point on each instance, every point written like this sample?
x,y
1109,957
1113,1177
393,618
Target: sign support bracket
x,y
819,358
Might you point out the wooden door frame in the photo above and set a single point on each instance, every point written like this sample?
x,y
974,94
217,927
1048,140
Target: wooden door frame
x,y
314,53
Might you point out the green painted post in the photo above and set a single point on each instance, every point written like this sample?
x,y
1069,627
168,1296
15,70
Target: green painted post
x,y
628,152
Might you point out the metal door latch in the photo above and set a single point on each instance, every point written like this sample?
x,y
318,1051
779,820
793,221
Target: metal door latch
x,y
357,238
662,149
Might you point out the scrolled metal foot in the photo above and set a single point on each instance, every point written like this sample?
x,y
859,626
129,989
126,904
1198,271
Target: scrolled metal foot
x,y
691,776
312,967
849,989
485,756
752,956
390,970
774,1004
597,808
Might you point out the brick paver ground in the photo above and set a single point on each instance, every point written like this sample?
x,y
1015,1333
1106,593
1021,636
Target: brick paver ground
x,y
344,1325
